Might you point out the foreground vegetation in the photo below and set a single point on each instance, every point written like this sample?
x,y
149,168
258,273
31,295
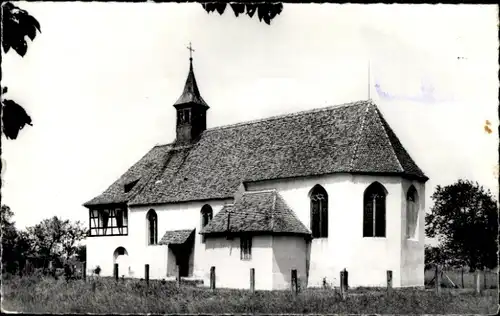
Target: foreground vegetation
x,y
44,294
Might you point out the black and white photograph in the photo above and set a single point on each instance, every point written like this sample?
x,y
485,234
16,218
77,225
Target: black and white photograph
x,y
255,158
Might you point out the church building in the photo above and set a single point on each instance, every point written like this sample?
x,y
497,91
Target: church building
x,y
317,191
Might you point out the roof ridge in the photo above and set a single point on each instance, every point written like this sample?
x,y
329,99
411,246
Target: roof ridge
x,y
379,117
260,191
293,114
359,137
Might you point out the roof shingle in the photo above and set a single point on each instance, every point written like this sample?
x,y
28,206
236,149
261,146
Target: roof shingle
x,y
258,212
176,237
348,138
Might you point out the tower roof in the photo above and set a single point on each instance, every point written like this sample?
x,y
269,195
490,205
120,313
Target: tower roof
x,y
191,93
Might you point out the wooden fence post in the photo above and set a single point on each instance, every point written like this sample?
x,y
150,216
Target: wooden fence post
x,y
212,278
178,278
84,272
252,279
478,281
343,284
462,270
437,279
294,281
389,281
115,271
146,273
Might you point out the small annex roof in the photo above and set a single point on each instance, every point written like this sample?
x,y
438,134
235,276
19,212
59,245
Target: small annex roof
x,y
256,212
176,237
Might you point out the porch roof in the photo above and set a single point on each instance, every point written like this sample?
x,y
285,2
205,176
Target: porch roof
x,y
176,237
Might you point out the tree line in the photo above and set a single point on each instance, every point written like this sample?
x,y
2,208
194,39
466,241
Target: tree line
x,y
52,241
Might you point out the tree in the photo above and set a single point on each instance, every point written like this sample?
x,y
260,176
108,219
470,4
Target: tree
x,y
464,218
265,11
9,237
81,253
56,239
17,24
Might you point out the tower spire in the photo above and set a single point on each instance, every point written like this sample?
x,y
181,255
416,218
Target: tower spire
x,y
191,108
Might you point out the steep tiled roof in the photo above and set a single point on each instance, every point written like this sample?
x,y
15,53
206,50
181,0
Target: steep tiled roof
x,y
139,174
176,237
349,138
258,212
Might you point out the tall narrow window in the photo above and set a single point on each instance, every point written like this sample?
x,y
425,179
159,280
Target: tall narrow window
x,y
206,217
152,220
374,210
319,212
245,247
411,212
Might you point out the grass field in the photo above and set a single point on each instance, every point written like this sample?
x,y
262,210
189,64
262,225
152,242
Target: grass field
x,y
46,295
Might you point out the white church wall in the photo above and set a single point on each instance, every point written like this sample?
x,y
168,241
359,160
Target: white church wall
x,y
366,259
100,252
412,253
170,217
289,252
230,270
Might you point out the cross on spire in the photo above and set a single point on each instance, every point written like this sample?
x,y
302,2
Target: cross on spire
x,y
191,50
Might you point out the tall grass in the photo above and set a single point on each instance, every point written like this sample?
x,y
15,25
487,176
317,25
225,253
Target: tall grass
x,y
42,294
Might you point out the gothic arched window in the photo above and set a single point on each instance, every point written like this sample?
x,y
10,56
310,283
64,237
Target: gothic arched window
x,y
152,220
319,212
374,210
411,212
206,217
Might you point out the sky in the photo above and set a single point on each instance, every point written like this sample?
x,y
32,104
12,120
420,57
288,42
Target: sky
x,y
100,80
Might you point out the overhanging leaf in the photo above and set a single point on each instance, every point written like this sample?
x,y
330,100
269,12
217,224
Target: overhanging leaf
x,y
14,118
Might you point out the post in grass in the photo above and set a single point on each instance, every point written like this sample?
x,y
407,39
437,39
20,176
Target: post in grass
x,y
115,271
178,278
343,284
478,281
437,279
84,271
212,278
252,280
146,273
294,282
389,281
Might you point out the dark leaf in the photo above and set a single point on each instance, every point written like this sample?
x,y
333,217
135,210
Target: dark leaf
x,y
4,90
261,11
209,7
251,8
238,8
220,7
21,48
14,118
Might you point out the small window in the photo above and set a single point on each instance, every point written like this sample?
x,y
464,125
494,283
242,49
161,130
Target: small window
x,y
152,220
246,247
129,186
411,213
206,217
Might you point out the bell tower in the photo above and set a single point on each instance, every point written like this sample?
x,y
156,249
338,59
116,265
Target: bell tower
x,y
191,109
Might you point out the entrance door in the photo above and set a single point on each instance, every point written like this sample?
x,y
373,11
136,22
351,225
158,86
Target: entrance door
x,y
182,254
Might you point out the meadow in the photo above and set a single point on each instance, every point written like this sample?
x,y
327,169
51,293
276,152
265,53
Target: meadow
x,y
39,294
